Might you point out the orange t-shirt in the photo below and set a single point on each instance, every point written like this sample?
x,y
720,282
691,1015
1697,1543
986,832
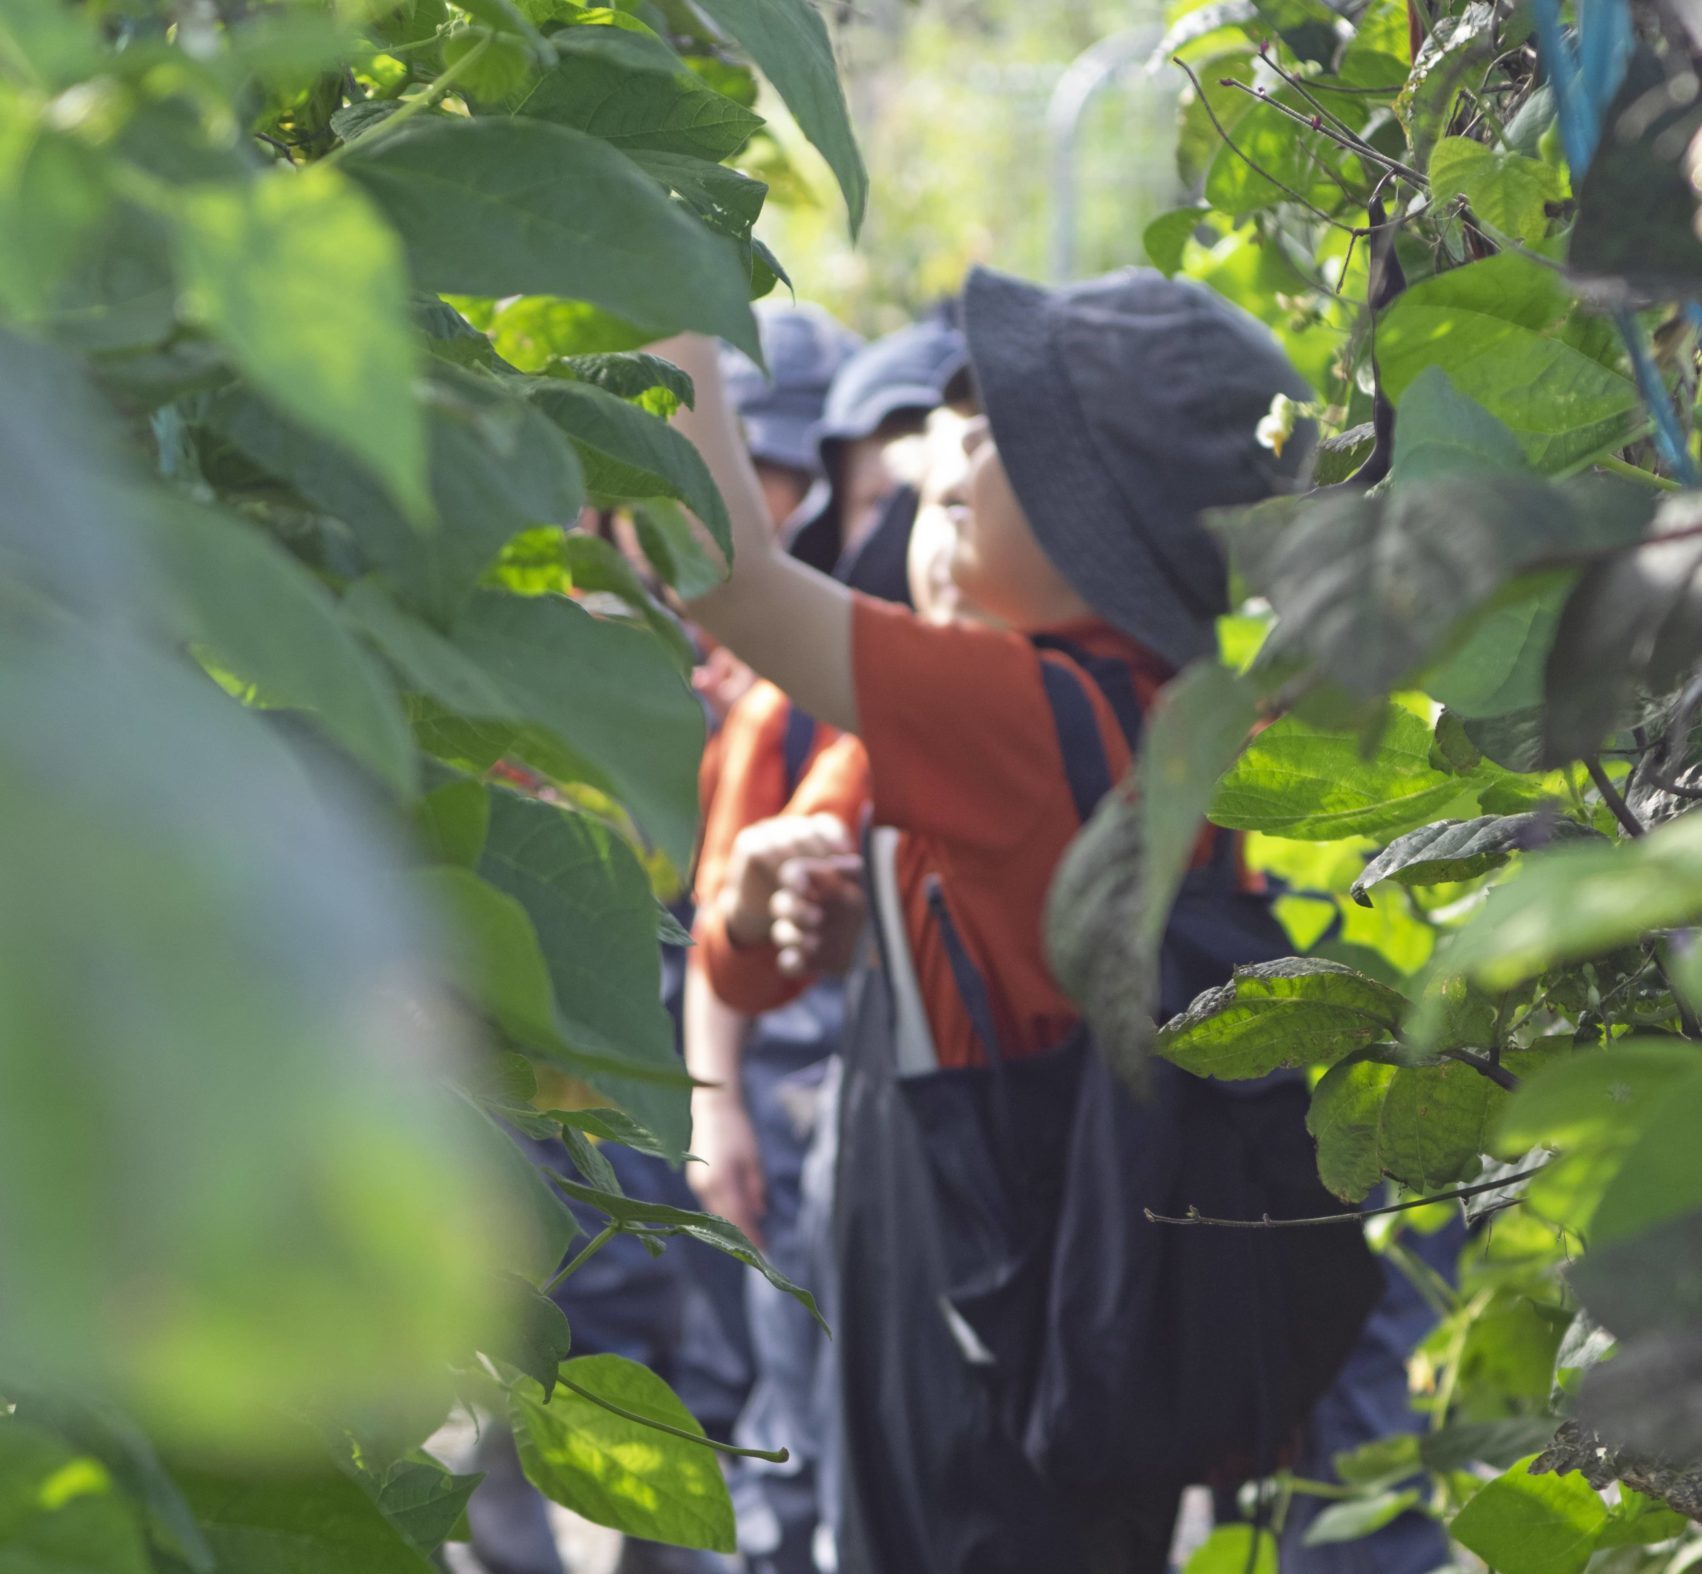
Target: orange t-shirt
x,y
965,762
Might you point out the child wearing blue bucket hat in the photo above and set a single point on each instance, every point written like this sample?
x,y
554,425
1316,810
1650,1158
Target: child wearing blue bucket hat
x,y
1115,412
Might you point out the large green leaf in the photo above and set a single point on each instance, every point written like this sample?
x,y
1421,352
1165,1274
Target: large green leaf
x,y
500,206
1462,849
607,693
304,284
536,1338
635,93
1526,1524
1505,331
1111,897
1370,586
629,454
1286,162
1345,1119
264,618
311,1524
240,1003
1300,781
1507,191
590,902
789,42
1435,1124
659,1218
1299,1012
1498,665
425,1501
618,1472
60,1512
49,185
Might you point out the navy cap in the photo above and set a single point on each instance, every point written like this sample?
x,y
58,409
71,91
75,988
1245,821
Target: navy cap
x,y
805,349
1123,407
905,373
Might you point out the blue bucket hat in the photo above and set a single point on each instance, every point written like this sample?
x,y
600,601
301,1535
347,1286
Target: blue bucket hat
x,y
805,349
1123,407
904,373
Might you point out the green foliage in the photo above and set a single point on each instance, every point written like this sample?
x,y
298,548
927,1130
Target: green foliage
x,y
1498,1006
292,579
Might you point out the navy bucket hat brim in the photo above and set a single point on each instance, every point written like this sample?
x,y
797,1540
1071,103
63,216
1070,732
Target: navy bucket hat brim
x,y
1122,408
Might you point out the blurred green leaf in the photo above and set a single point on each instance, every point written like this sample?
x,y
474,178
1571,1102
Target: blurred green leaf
x,y
60,1512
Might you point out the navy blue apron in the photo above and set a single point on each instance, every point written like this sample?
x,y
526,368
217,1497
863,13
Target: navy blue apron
x,y
1025,1361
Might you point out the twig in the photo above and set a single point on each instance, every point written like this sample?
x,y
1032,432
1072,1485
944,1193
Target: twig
x,y
775,1456
1353,1216
1617,466
1610,796
1484,1066
420,103
1229,142
1316,123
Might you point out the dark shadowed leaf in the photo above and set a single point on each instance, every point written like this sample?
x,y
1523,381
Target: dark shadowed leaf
x,y
658,1218
1111,897
1461,849
1632,621
424,1502
536,1338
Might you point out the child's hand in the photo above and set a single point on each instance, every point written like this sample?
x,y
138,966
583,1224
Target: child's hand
x,y
817,914
753,870
729,1181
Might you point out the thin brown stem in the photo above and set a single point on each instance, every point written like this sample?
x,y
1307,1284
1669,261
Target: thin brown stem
x,y
1484,1065
1354,1216
1610,796
1351,143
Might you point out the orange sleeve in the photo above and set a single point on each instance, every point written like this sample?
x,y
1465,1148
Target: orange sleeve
x,y
750,781
748,978
959,734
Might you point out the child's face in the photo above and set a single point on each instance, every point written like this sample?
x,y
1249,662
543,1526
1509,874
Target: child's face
x,y
933,536
868,470
783,490
997,563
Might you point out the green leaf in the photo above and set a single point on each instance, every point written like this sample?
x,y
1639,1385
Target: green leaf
x,y
1309,27
1166,237
613,1125
589,899
1439,431
1369,587
1463,849
1577,902
100,1430
318,1524
594,564
1633,620
1297,162
1498,1444
1298,1012
1525,1524
304,284
1359,1517
1435,1124
1299,781
60,1512
658,1218
1659,1178
1498,665
540,1227
1345,1118
629,375
49,185
425,1502
450,822
626,718
536,1338
674,550
1507,191
498,467
498,206
1504,330
1111,897
629,454
227,587
635,93
1639,1521
789,42
622,1473
1593,1095
1235,1549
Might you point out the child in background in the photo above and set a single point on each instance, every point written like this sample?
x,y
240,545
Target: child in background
x,y
1116,412
751,1125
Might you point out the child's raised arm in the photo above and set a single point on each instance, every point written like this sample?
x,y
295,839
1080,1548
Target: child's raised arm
x,y
788,621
